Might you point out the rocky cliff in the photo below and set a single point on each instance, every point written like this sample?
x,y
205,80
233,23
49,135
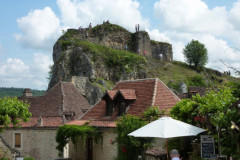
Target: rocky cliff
x,y
95,59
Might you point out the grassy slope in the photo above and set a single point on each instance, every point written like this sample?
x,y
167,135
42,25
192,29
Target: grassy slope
x,y
171,73
174,72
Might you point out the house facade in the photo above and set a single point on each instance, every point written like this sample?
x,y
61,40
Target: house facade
x,y
127,97
36,138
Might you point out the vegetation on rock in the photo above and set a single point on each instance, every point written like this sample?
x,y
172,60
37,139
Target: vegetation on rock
x,y
107,27
113,57
28,158
122,62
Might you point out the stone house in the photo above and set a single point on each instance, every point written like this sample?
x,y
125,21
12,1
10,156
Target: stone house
x,y
36,138
132,97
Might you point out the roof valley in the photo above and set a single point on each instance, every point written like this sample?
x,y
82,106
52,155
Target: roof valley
x,y
154,92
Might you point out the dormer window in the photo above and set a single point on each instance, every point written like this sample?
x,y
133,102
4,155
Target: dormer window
x,y
109,107
119,99
122,108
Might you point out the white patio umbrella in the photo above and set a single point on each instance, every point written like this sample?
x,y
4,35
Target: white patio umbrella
x,y
166,127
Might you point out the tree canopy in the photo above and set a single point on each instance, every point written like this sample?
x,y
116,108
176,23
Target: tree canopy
x,y
214,113
130,147
12,112
195,53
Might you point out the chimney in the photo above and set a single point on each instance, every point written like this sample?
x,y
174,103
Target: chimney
x,y
40,121
27,92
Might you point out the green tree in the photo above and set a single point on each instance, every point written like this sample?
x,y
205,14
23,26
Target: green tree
x,y
12,112
195,53
130,147
213,112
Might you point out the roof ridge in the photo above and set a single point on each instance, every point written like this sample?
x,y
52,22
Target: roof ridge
x,y
154,92
44,116
169,90
136,80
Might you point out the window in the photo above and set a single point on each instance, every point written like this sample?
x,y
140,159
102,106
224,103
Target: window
x,y
109,108
122,108
18,141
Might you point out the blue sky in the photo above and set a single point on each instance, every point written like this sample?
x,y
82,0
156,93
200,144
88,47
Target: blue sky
x,y
29,29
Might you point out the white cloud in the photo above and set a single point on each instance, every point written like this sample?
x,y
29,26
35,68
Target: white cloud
x,y
40,29
15,73
157,36
40,64
192,16
235,15
185,20
123,12
14,68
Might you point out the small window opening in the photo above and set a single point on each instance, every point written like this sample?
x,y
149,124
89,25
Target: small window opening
x,y
109,108
122,108
18,140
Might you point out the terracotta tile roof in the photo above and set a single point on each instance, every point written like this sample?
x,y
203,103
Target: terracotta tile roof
x,y
165,99
61,98
77,122
127,93
148,92
105,124
45,122
112,93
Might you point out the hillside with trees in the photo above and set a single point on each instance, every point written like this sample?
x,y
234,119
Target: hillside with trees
x,y
17,92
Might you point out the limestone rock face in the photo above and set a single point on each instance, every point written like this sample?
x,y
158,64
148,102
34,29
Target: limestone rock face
x,y
76,64
92,93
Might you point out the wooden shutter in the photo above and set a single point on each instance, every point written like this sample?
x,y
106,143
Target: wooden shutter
x,y
17,140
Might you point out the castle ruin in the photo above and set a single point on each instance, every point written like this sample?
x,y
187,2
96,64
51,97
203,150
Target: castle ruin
x,y
119,38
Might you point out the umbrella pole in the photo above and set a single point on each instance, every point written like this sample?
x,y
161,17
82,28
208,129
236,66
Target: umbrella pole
x,y
167,148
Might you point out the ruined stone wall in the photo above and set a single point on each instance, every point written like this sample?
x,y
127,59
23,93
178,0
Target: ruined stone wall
x,y
162,51
37,143
141,43
118,39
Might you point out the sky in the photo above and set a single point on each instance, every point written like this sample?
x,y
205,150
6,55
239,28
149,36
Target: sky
x,y
29,29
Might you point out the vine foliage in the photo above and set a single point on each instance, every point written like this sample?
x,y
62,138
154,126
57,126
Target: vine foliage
x,y
73,133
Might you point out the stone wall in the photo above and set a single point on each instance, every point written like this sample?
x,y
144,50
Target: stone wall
x,y
162,51
100,151
117,38
141,43
5,151
37,143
